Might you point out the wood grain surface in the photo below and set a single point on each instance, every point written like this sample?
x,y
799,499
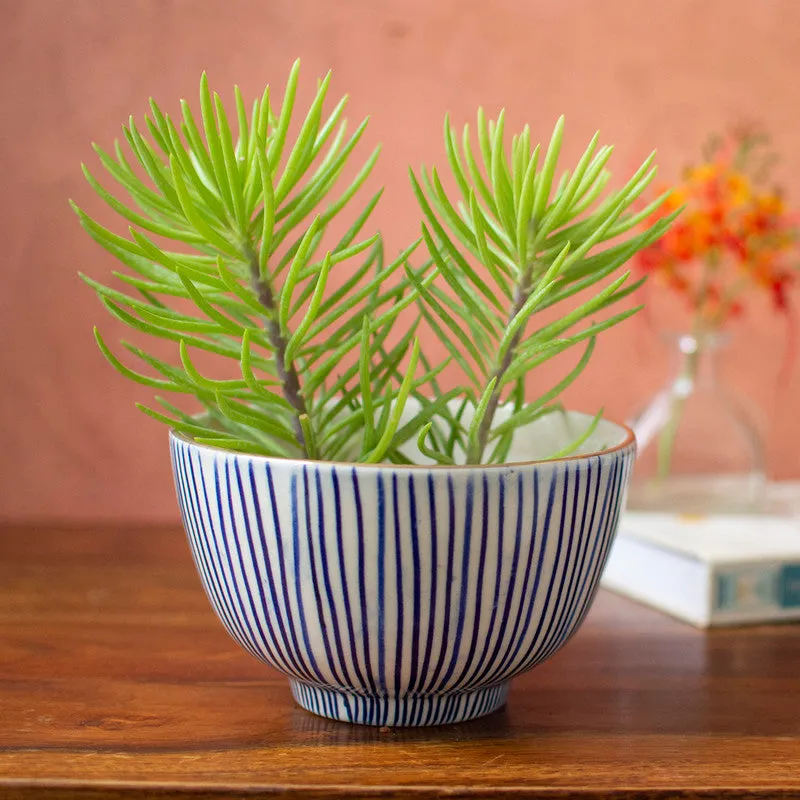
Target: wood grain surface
x,y
117,680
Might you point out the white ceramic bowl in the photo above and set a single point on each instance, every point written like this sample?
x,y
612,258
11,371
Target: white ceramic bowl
x,y
396,595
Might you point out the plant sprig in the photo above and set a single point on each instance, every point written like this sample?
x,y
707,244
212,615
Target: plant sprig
x,y
250,210
513,244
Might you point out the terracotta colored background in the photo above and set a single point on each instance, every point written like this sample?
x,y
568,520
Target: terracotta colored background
x,y
648,74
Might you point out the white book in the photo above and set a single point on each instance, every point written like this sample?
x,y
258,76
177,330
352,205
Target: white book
x,y
717,570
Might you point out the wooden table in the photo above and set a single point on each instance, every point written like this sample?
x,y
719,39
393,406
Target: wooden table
x,y
116,680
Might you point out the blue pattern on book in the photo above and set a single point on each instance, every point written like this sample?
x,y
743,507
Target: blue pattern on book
x,y
790,586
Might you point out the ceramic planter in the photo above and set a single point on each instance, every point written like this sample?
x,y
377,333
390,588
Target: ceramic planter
x,y
395,595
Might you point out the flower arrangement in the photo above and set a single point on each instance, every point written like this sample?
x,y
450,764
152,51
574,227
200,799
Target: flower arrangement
x,y
735,234
231,257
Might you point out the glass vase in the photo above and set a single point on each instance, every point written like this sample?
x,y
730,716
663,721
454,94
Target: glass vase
x,y
699,450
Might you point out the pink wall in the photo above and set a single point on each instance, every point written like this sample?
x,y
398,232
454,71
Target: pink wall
x,y
648,74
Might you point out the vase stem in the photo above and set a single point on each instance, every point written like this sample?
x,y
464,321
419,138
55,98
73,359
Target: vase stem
x,y
680,390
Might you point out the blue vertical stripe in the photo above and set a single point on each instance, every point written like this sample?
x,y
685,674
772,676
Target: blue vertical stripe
x,y
316,580
527,597
235,599
469,678
340,542
189,497
299,582
435,579
362,583
400,613
274,651
416,570
578,576
330,595
490,662
479,588
382,682
283,573
465,583
448,584
289,653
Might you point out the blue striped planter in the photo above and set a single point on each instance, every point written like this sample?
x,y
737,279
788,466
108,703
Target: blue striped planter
x,y
400,595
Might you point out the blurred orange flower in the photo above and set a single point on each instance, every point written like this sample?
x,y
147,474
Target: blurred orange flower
x,y
734,234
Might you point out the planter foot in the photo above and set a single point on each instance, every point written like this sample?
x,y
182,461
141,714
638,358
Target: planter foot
x,y
410,711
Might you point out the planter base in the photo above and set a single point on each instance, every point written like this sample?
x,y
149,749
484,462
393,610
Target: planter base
x,y
412,711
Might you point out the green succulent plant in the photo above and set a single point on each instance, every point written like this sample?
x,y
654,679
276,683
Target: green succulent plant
x,y
243,249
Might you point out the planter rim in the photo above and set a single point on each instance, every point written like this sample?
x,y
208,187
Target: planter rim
x,y
628,441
